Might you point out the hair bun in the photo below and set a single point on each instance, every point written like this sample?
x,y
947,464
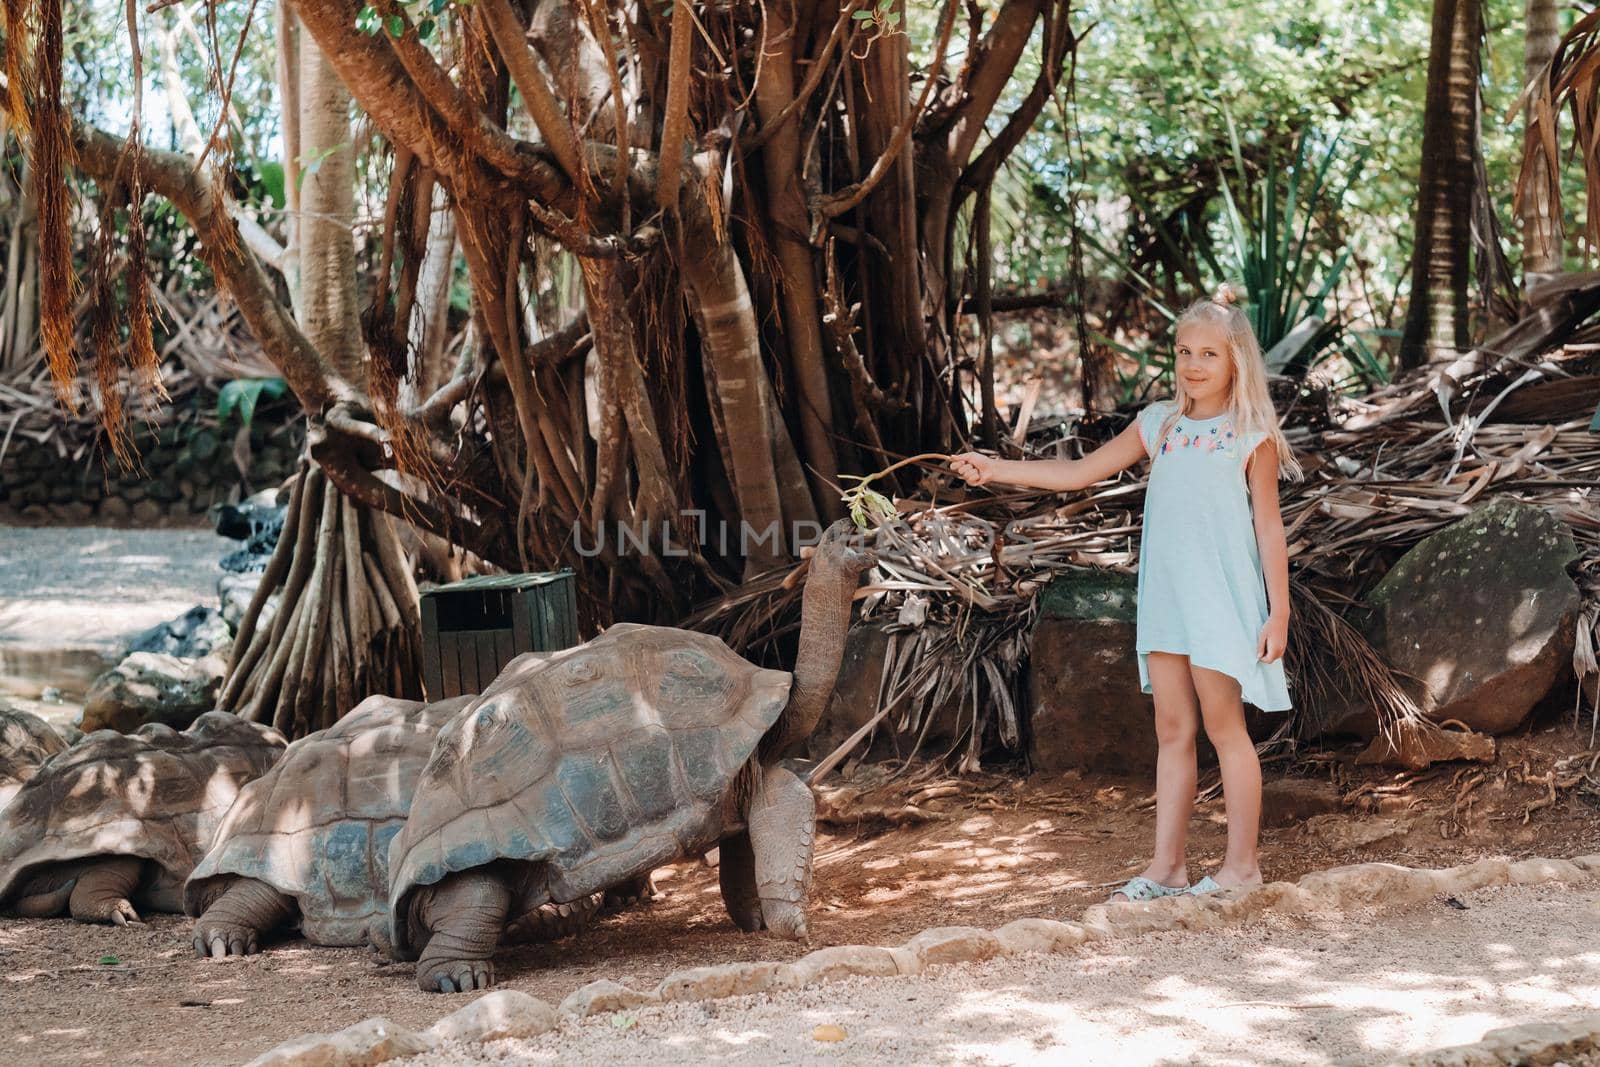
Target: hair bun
x,y
1226,295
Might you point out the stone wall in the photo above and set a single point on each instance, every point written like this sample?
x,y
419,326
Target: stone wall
x,y
187,468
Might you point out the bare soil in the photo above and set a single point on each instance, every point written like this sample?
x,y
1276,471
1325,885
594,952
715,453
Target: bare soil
x,y
1359,989
989,850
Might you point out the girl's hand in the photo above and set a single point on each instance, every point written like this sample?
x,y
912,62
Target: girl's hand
x,y
1273,640
973,468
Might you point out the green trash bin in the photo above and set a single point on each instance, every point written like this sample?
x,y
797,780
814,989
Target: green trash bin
x,y
471,629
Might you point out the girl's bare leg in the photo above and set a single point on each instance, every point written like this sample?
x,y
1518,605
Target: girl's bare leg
x,y
1223,712
1177,722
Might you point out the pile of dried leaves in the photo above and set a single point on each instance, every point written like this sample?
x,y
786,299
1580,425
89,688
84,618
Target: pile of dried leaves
x,y
959,569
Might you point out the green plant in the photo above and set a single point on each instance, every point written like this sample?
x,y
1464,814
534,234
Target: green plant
x,y
244,395
1287,275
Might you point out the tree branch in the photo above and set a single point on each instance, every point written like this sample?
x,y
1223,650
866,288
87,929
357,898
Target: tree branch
x,y
1059,41
339,456
173,176
511,39
848,197
389,93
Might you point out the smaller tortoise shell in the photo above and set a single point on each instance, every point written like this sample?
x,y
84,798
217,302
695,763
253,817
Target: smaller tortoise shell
x,y
26,741
317,826
157,794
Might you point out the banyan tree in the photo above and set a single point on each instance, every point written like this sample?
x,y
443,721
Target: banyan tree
x,y
773,220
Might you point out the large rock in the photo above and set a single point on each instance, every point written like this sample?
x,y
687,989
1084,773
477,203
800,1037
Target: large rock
x,y
1088,712
1083,682
235,591
154,687
200,631
1482,614
855,700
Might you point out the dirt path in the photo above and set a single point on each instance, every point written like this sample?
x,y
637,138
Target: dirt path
x,y
70,596
1003,849
1359,989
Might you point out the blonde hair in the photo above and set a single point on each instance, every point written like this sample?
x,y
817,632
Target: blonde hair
x,y
1249,403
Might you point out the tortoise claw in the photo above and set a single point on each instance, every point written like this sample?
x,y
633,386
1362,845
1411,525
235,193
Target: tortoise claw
x,y
460,976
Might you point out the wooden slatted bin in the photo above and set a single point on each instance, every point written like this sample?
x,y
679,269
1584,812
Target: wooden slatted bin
x,y
471,629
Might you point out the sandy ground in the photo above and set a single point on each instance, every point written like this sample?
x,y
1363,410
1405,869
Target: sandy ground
x,y
999,850
1357,990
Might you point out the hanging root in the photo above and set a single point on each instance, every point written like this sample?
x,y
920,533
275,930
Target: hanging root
x,y
347,623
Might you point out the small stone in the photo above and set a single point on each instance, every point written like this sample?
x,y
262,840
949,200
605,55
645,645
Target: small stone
x,y
1528,872
365,1044
154,687
828,1032
727,980
953,944
843,961
1420,748
1344,832
114,509
1039,935
501,1014
603,996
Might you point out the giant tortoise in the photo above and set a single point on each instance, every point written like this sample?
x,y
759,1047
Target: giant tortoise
x,y
307,843
580,769
122,818
26,741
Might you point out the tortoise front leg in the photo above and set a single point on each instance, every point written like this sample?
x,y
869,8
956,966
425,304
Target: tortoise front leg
x,y
462,919
104,887
234,922
782,823
736,871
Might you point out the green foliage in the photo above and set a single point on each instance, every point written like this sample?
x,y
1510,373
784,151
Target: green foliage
x,y
1272,250
425,14
244,395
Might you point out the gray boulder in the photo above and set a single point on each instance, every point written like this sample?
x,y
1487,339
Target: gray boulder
x,y
1482,615
234,592
154,687
198,632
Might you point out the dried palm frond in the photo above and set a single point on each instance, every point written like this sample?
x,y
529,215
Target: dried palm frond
x,y
956,582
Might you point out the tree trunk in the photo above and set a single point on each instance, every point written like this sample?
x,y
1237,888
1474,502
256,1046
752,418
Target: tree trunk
x,y
1436,321
347,623
1542,230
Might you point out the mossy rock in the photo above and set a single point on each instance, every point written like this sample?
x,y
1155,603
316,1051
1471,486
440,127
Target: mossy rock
x,y
1091,593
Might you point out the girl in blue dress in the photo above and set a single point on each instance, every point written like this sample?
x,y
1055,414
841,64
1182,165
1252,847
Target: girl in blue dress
x,y
1213,614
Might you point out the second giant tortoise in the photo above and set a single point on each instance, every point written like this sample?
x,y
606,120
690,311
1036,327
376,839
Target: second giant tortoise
x,y
123,818
583,768
307,843
26,741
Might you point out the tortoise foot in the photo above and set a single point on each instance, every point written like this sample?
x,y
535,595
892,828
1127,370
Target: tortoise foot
x,y
455,976
218,939
785,919
627,894
117,911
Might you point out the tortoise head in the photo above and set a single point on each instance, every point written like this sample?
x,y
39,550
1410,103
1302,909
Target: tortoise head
x,y
842,553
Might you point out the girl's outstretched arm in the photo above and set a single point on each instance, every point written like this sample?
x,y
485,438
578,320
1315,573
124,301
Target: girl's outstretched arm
x,y
1262,474
1055,475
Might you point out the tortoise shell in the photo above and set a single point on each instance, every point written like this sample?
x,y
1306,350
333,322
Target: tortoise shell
x,y
317,826
158,794
600,762
26,741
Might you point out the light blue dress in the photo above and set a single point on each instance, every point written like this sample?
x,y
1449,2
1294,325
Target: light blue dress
x,y
1201,588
